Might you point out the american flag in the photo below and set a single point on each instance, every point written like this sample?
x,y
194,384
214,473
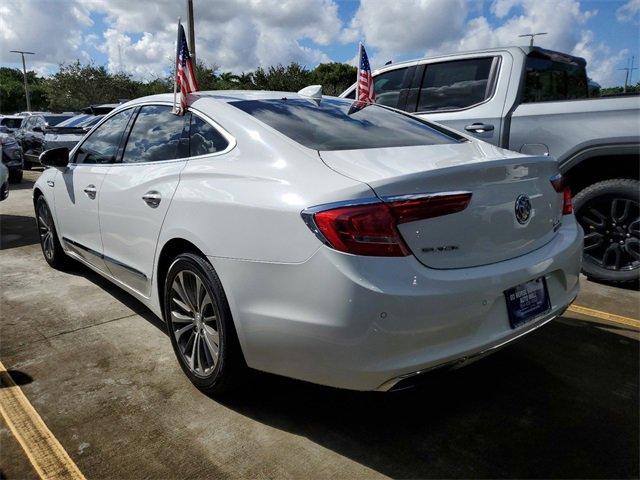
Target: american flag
x,y
185,73
365,92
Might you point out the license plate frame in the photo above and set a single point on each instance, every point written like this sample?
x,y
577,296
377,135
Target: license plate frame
x,y
527,301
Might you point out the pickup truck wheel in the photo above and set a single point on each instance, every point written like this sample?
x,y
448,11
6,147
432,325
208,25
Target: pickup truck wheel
x,y
609,213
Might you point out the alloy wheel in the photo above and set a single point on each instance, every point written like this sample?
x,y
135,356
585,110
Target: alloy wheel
x,y
195,323
45,228
612,232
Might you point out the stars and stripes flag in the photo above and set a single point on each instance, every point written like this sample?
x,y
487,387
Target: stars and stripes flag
x,y
364,88
185,72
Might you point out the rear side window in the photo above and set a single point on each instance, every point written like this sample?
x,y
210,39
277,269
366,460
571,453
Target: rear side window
x,y
204,139
554,77
102,145
155,135
455,85
388,86
338,124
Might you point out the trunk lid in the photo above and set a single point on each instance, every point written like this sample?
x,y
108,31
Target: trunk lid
x,y
488,230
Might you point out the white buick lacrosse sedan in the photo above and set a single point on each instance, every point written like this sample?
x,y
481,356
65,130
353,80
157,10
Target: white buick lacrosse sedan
x,y
348,245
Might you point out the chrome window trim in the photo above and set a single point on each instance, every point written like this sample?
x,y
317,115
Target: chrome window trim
x,y
231,140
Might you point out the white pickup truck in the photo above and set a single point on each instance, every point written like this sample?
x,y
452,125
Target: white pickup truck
x,y
539,101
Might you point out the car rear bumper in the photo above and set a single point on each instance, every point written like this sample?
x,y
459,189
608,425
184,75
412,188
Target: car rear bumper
x,y
365,323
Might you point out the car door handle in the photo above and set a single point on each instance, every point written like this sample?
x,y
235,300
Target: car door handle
x,y
152,198
479,127
91,191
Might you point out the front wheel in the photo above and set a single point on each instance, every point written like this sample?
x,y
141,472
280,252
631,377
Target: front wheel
x,y
200,326
51,248
609,212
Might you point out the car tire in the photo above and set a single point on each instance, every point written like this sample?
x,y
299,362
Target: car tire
x,y
608,211
15,175
49,242
197,315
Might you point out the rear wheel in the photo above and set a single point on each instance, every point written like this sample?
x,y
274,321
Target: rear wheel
x,y
609,212
200,326
51,248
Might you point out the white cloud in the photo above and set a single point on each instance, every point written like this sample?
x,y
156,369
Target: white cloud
x,y
240,35
236,35
407,27
53,31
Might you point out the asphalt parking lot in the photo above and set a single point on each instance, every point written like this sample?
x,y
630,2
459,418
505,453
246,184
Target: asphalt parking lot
x,y
99,369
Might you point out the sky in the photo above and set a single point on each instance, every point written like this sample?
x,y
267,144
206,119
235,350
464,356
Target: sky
x,y
137,36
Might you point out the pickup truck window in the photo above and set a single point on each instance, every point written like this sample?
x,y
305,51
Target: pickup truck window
x,y
455,85
388,85
548,79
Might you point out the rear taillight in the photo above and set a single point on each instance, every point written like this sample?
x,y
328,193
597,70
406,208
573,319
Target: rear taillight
x,y
371,228
557,181
567,203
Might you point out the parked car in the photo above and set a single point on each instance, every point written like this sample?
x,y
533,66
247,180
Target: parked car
x,y
11,154
4,182
344,244
69,132
30,136
10,122
536,101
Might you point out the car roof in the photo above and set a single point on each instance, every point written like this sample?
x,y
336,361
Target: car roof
x,y
225,96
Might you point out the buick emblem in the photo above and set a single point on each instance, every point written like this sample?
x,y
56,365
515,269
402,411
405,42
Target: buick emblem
x,y
523,209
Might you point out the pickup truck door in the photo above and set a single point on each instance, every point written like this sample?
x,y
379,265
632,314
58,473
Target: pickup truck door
x,y
467,94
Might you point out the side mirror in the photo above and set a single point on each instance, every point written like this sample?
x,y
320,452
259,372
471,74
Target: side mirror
x,y
37,129
55,157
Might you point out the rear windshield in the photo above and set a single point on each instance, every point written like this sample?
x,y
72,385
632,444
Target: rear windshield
x,y
55,120
551,77
335,124
11,122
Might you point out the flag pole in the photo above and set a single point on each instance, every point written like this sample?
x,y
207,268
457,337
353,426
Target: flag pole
x,y
175,66
358,73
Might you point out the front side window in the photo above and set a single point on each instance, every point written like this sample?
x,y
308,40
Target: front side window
x,y
388,86
155,135
554,77
204,139
455,85
339,124
102,145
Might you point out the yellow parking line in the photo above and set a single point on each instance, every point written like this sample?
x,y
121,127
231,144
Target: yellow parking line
x,y
610,317
45,453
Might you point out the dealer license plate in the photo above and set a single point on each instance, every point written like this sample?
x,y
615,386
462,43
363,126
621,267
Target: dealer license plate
x,y
527,301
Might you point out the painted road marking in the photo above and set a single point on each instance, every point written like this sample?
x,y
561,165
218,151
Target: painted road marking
x,y
610,317
45,453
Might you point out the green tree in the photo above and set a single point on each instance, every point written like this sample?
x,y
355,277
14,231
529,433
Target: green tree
x,y
12,97
76,86
334,77
291,78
